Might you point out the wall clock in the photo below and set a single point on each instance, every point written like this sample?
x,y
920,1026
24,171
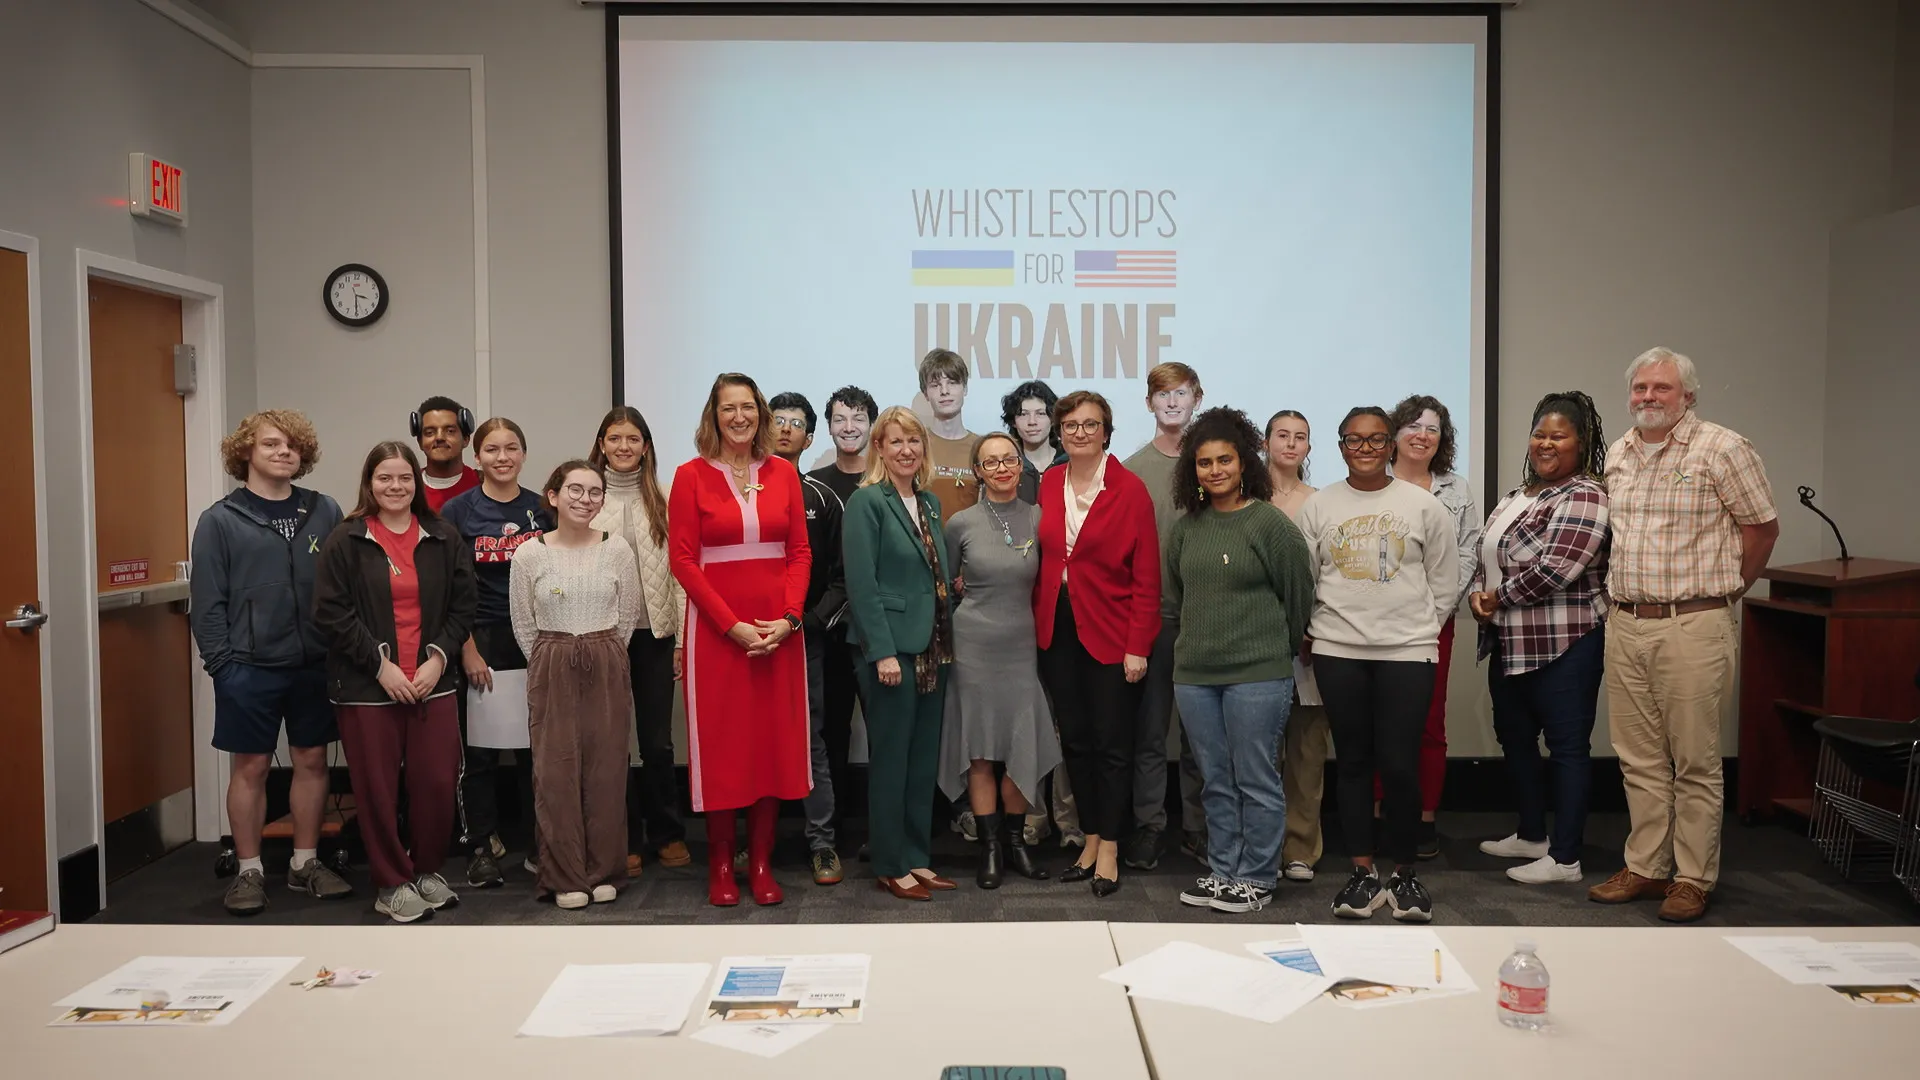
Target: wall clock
x,y
356,295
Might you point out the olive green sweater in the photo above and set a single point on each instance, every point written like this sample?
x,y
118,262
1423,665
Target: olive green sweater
x,y
1242,583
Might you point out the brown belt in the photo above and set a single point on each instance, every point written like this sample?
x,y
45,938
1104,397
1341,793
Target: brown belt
x,y
1679,607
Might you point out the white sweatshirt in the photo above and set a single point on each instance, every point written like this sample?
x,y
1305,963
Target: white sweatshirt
x,y
1386,569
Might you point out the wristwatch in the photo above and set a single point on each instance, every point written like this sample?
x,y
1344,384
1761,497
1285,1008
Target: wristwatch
x,y
793,620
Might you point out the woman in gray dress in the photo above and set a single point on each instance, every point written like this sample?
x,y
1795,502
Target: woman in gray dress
x,y
996,712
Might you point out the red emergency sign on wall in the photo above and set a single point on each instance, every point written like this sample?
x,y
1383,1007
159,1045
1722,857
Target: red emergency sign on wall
x,y
158,188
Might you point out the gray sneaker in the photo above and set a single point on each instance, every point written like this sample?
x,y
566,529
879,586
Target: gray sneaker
x,y
248,893
402,904
317,881
435,891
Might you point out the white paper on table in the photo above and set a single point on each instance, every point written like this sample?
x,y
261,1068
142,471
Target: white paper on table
x,y
1289,953
823,988
1394,955
1188,974
616,999
765,1040
497,718
1807,962
1885,961
184,983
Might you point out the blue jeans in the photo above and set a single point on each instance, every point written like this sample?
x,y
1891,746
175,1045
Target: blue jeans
x,y
819,801
1235,733
1556,700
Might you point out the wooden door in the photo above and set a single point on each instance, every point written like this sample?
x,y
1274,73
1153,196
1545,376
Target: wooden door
x,y
23,794
140,529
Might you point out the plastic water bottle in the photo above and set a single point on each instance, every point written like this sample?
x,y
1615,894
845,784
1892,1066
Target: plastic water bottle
x,y
1523,989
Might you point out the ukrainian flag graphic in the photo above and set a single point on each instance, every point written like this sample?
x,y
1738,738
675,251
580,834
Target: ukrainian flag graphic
x,y
963,268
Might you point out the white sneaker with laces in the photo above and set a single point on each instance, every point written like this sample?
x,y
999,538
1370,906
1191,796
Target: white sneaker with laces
x,y
1298,871
1514,848
1544,871
571,901
435,891
402,904
603,894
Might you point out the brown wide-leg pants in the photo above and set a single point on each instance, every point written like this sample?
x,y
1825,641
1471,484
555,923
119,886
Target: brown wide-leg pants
x,y
579,706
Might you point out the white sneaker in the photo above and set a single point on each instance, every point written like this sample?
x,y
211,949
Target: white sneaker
x,y
572,901
402,904
1544,871
1514,848
603,894
1298,871
435,892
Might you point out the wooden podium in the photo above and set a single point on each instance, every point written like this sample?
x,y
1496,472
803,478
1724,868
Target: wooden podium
x,y
1834,638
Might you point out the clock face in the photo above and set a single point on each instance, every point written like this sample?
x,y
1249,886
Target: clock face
x,y
356,295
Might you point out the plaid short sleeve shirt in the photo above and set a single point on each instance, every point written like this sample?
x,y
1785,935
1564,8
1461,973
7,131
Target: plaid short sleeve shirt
x,y
1677,511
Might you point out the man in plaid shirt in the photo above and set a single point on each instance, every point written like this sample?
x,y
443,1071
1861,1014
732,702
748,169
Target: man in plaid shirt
x,y
1693,526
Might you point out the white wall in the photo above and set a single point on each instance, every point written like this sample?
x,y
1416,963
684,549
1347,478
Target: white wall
x,y
1873,379
87,82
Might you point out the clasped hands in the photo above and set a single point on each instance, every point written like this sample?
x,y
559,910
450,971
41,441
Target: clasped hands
x,y
760,637
1483,605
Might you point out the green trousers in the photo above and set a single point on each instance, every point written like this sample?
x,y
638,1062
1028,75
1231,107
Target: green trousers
x,y
903,760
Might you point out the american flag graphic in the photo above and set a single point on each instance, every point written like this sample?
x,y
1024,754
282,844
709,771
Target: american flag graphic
x,y
1123,269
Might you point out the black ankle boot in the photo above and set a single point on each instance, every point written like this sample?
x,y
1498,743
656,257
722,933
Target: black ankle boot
x,y
1019,855
987,828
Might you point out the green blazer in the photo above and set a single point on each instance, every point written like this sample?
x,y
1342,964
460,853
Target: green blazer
x,y
889,584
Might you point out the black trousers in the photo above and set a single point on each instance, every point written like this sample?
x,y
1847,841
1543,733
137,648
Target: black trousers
x,y
653,793
1377,710
479,802
839,674
1097,711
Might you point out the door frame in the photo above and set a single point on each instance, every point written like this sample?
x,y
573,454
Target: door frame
x,y
203,325
43,578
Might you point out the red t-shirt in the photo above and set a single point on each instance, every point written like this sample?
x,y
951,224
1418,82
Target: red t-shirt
x,y
437,496
406,589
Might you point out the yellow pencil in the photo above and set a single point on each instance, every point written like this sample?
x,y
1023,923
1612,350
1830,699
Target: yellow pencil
x,y
1436,965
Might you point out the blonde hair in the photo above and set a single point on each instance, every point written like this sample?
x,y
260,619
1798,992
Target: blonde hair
x,y
708,440
909,423
236,450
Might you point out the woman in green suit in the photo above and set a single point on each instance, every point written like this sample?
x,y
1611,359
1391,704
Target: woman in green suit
x,y
900,592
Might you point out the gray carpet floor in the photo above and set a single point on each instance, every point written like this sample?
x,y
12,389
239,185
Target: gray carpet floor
x,y
1772,877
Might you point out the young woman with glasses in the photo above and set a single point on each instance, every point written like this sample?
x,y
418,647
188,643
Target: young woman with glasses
x,y
575,599
1387,576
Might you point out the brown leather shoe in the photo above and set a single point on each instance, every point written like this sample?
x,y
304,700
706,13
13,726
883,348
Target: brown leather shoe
x,y
1685,902
633,866
675,854
934,881
903,892
1626,886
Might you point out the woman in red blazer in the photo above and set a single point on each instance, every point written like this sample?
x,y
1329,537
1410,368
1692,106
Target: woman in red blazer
x,y
1096,609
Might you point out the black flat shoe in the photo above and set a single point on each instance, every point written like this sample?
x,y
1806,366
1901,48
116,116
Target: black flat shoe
x,y
1105,886
1076,872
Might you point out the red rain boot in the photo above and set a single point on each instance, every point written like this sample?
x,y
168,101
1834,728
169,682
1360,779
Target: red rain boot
x,y
722,891
760,821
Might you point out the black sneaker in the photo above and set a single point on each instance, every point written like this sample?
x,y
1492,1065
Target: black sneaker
x,y
1429,844
1193,844
1242,896
1361,895
1144,848
1408,897
483,872
1202,892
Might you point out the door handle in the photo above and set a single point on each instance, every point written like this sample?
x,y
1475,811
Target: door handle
x,y
27,618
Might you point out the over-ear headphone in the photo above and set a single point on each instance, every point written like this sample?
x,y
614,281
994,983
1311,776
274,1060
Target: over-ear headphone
x,y
461,416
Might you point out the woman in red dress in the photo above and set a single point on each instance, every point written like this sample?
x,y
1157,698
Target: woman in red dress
x,y
737,540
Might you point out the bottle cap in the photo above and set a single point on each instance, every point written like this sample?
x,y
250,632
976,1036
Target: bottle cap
x,y
1523,946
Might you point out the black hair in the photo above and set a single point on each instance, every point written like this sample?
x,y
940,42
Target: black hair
x,y
443,403
1406,413
1031,390
791,400
1220,424
1366,410
1578,408
1295,414
853,398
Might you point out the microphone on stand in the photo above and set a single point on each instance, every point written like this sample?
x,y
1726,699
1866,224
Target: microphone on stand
x,y
1806,500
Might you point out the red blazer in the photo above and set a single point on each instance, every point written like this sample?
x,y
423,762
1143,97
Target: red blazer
x,y
1115,581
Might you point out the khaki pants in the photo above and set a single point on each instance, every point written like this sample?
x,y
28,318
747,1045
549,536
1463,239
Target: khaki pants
x,y
1303,775
1666,679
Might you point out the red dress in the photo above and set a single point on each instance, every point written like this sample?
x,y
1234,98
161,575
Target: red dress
x,y
742,560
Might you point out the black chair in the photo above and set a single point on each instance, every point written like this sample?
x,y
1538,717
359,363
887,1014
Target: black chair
x,y
1869,840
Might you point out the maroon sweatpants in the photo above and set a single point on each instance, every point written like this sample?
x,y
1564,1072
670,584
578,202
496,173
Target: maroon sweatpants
x,y
1433,738
424,739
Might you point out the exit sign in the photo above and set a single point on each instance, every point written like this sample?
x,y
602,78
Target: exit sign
x,y
158,188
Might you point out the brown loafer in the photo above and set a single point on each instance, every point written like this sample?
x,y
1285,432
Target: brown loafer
x,y
1626,886
903,892
1685,902
934,881
633,866
675,854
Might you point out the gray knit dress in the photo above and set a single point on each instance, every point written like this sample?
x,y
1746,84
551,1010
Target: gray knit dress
x,y
996,710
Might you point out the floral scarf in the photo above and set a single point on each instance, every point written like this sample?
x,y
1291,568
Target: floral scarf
x,y
939,651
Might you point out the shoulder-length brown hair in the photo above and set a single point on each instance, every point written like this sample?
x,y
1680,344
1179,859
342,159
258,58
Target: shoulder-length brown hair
x,y
236,450
1406,413
1070,404
907,421
650,494
707,440
558,477
368,506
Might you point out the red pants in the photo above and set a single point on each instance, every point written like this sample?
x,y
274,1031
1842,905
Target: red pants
x,y
424,739
1433,738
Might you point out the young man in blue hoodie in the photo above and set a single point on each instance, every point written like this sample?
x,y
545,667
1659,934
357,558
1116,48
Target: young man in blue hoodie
x,y
254,554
